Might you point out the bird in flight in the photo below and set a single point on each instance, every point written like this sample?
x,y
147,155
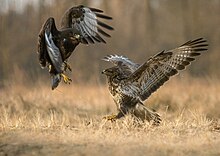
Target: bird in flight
x,y
78,25
130,84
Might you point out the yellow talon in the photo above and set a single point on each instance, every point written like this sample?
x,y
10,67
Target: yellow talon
x,y
66,79
112,117
50,67
67,66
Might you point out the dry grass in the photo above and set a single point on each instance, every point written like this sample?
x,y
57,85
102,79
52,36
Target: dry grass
x,y
38,121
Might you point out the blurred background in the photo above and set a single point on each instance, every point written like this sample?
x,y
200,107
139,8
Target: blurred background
x,y
142,28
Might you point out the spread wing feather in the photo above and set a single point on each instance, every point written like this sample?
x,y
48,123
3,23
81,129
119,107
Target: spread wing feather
x,y
158,69
85,20
122,62
46,46
42,50
54,52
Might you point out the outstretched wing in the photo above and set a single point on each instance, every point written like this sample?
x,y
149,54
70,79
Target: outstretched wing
x,y
47,48
122,61
158,69
86,21
54,52
41,49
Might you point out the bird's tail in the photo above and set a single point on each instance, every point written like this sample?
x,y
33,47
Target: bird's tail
x,y
55,80
145,113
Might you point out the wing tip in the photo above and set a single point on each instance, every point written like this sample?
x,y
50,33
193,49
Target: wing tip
x,y
95,9
196,42
104,25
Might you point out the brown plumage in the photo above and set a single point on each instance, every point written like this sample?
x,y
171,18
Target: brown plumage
x,y
78,25
130,83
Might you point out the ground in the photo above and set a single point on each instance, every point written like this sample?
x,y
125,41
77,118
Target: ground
x,y
35,120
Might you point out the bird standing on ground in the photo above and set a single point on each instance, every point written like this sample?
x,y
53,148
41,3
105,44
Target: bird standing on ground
x,y
130,83
78,25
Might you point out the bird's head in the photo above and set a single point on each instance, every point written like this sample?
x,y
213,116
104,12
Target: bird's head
x,y
111,72
77,36
73,34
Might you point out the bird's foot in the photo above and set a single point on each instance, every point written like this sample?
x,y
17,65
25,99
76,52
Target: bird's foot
x,y
66,79
49,67
112,117
67,66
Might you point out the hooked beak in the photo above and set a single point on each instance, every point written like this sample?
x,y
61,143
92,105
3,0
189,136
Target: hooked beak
x,y
77,36
103,72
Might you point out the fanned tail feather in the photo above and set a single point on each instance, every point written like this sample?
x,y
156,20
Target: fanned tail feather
x,y
145,113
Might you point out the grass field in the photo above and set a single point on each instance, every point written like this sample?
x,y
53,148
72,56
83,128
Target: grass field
x,y
68,121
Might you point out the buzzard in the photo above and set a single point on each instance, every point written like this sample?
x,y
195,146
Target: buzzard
x,y
78,25
130,83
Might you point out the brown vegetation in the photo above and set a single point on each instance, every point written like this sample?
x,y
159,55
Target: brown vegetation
x,y
68,121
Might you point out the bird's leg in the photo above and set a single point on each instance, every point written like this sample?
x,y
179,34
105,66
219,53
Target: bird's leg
x,y
113,117
50,67
67,66
66,79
